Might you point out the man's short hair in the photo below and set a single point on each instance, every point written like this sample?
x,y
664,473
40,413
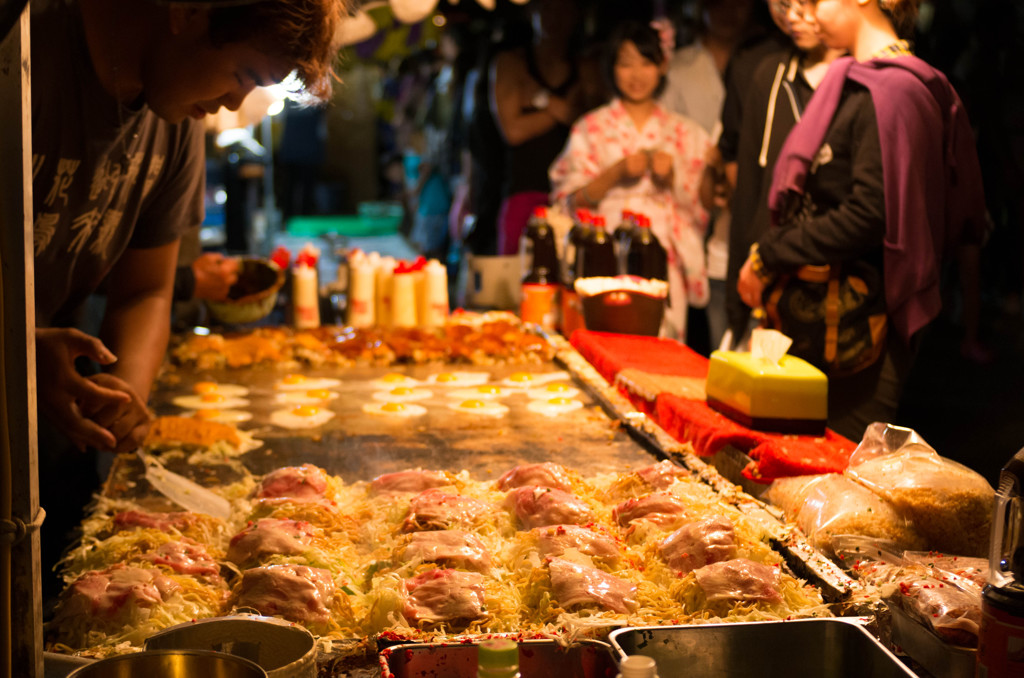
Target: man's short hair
x,y
303,32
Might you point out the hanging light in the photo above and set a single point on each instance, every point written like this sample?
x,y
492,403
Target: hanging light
x,y
412,11
358,27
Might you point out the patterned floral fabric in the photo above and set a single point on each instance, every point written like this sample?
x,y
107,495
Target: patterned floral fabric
x,y
606,135
898,48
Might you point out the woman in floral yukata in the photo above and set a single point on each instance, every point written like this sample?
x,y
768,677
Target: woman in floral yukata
x,y
633,154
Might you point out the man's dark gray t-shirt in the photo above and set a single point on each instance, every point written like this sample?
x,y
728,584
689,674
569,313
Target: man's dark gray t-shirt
x,y
105,177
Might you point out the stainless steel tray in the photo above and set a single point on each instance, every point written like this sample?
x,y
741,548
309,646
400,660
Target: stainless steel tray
x,y
939,658
805,648
582,659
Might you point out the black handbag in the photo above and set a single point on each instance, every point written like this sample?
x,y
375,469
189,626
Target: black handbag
x,y
835,315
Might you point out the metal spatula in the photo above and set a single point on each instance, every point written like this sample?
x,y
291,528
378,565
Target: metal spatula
x,y
183,491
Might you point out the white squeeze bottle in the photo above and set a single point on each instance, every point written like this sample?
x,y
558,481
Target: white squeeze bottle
x,y
498,658
638,666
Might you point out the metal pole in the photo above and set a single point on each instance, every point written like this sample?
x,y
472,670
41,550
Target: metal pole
x,y
271,215
21,649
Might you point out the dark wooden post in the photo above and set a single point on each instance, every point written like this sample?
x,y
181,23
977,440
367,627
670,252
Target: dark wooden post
x,y
21,646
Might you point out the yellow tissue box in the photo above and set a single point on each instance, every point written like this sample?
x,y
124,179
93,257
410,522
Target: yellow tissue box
x,y
788,397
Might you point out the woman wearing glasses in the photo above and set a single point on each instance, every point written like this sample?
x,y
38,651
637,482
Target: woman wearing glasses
x,y
873,190
778,93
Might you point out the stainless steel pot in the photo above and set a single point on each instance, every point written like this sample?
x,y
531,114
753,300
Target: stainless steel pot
x,y
282,649
171,664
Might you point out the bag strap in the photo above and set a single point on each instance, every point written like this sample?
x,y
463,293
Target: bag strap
x,y
771,304
832,315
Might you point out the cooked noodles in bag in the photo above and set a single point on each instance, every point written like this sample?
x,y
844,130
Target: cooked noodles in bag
x,y
950,505
829,505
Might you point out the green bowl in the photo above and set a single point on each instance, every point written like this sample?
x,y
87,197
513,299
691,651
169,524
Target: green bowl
x,y
253,295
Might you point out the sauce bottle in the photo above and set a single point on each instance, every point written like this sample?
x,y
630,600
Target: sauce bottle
x,y
572,312
539,302
599,252
306,289
646,258
623,236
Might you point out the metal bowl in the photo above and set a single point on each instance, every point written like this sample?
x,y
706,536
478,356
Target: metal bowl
x,y
253,295
171,664
282,649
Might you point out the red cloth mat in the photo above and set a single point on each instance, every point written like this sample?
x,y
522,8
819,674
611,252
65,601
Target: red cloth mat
x,y
610,353
784,456
773,455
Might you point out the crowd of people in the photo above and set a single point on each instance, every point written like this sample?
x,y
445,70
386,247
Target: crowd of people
x,y
805,217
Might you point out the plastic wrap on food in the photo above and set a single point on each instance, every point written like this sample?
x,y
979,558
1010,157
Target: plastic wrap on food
x,y
437,510
974,569
829,505
740,579
444,595
575,585
699,543
952,613
452,548
950,505
927,586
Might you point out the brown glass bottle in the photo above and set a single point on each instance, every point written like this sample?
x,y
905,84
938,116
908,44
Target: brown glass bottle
x,y
646,258
599,253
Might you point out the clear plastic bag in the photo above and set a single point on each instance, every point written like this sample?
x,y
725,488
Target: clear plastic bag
x,y
827,506
931,589
974,569
950,505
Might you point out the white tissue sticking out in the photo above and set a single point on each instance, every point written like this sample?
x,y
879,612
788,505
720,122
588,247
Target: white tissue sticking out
x,y
769,345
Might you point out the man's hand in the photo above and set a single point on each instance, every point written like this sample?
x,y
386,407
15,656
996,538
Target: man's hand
x,y
215,274
65,395
749,285
128,422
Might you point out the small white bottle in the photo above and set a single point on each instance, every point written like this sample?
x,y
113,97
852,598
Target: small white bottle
x,y
433,297
498,658
305,297
638,666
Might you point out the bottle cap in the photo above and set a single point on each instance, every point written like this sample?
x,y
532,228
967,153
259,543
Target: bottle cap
x,y
598,220
540,211
638,666
500,653
281,257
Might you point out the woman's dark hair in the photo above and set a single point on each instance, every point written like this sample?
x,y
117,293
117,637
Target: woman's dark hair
x,y
647,43
903,14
